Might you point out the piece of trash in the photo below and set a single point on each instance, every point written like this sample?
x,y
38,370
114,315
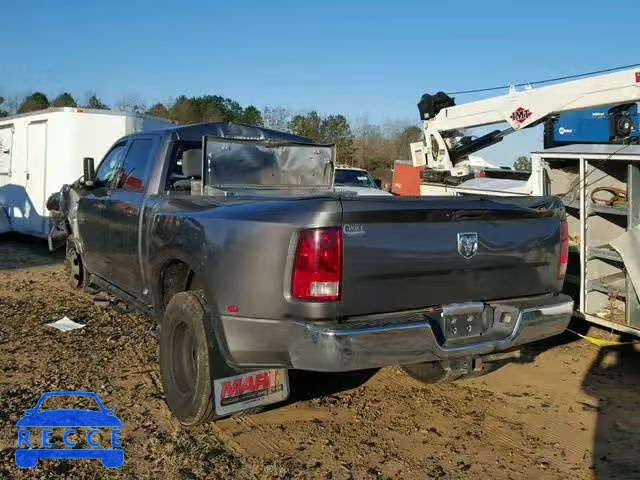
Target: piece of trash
x,y
65,324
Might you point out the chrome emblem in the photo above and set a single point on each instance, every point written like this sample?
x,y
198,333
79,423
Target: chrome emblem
x,y
468,244
353,229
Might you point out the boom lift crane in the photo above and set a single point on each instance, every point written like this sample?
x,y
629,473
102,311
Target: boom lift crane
x,y
604,266
445,147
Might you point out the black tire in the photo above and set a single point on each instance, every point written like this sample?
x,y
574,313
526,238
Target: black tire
x,y
187,352
74,267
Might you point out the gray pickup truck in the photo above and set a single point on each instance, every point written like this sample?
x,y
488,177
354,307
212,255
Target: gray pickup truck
x,y
232,238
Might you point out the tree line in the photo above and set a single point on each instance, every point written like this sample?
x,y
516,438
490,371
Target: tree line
x,y
366,145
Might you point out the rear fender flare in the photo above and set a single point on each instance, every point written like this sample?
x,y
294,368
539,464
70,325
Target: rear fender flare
x,y
197,266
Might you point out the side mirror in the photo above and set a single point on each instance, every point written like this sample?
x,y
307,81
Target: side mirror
x,y
53,202
89,171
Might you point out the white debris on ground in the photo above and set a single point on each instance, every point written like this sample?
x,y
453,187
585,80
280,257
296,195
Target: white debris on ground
x,y
65,324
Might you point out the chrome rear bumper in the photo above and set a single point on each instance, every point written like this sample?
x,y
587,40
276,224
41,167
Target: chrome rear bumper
x,y
376,341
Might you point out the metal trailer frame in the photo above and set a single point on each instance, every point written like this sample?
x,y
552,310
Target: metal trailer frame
x,y
613,163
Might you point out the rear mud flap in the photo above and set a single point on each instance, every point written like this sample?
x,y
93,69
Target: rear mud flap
x,y
250,389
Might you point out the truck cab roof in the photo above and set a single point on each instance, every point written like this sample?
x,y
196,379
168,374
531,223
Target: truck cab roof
x,y
231,130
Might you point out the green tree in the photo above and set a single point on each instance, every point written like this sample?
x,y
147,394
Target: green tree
x,y
522,164
94,102
3,112
231,109
330,129
307,125
214,108
336,129
35,101
158,110
251,116
64,100
184,111
210,108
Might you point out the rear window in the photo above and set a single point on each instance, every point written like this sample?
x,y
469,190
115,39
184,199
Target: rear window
x,y
266,164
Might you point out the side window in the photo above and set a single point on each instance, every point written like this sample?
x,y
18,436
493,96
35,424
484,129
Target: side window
x,y
131,176
109,166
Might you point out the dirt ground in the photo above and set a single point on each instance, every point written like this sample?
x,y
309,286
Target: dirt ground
x,y
573,412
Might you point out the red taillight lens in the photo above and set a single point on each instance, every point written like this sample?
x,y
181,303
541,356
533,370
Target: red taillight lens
x,y
317,267
564,250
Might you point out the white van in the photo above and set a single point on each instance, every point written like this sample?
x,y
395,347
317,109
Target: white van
x,y
40,151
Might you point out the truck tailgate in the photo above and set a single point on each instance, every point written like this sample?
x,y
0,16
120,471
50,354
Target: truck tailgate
x,y
407,253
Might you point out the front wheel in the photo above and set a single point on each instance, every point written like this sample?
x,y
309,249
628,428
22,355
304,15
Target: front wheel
x,y
75,267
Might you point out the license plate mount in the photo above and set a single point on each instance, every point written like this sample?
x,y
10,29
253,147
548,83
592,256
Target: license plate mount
x,y
463,321
463,326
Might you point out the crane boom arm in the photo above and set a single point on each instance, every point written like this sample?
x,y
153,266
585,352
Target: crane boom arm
x,y
520,109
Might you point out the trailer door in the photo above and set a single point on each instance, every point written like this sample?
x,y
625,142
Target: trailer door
x,y
34,206
6,149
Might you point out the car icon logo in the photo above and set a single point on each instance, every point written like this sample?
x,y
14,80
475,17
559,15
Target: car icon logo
x,y
31,448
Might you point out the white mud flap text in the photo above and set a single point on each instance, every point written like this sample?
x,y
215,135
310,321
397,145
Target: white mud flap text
x,y
251,389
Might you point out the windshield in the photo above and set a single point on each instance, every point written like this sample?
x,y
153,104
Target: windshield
x,y
354,178
267,164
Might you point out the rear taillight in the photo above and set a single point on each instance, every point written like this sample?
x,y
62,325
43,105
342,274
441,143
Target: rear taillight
x,y
317,267
564,250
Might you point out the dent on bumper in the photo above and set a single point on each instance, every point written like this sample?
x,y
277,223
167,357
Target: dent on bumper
x,y
382,340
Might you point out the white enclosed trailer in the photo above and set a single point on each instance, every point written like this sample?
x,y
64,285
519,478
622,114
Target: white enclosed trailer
x,y
40,151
